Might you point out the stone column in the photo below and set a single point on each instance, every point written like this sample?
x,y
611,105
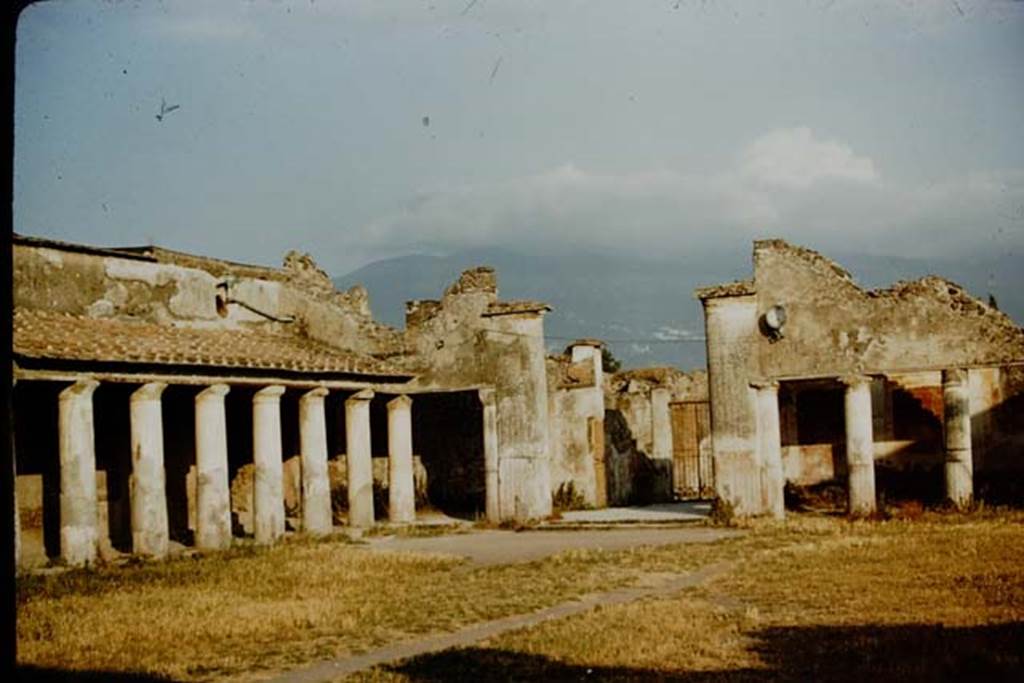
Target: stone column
x,y
213,497
860,447
317,517
150,534
78,519
268,482
957,411
401,487
769,433
490,429
360,461
661,437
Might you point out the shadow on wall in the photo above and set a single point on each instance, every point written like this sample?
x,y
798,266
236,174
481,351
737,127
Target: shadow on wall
x,y
836,653
630,472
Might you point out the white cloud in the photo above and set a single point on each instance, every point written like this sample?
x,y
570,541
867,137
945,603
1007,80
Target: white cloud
x,y
788,184
793,158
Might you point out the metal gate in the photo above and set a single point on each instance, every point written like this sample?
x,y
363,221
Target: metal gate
x,y
691,449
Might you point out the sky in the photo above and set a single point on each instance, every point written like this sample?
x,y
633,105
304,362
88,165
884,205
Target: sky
x,y
369,129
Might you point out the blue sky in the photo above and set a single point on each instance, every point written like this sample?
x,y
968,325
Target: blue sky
x,y
361,130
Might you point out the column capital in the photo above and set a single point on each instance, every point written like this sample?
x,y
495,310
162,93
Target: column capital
x,y
149,392
363,395
852,381
315,393
402,401
765,385
213,391
487,396
271,393
81,388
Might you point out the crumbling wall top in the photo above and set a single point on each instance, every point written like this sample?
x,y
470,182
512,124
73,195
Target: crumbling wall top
x,y
726,289
479,279
812,258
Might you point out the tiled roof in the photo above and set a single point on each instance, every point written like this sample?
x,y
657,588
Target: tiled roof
x,y
737,288
56,336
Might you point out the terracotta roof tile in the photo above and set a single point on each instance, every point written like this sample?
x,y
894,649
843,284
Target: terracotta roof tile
x,y
46,335
736,288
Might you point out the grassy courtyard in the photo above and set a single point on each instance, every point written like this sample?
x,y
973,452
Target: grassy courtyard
x,y
939,596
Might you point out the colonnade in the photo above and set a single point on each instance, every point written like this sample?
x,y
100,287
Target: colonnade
x,y
80,533
860,452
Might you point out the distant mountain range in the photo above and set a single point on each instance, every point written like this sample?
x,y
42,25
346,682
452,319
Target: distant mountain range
x,y
644,308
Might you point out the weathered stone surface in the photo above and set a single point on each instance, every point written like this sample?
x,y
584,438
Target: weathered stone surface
x,y
316,486
212,499
268,485
79,531
360,465
150,530
401,487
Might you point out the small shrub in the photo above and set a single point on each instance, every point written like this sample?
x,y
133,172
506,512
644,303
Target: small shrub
x,y
568,498
722,512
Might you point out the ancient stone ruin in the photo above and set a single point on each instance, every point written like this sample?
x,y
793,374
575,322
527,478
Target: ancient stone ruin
x,y
167,400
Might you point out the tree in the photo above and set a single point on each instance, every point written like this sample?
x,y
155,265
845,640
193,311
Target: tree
x,y
609,362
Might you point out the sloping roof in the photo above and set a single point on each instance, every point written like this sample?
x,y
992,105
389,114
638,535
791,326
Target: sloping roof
x,y
57,336
735,288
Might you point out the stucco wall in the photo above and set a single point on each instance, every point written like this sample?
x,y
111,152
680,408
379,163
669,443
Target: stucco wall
x,y
833,328
466,343
575,399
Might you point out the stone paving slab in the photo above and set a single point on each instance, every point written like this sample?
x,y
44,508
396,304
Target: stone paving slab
x,y
687,511
493,547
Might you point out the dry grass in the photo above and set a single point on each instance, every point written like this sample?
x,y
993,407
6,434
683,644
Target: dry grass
x,y
272,608
938,598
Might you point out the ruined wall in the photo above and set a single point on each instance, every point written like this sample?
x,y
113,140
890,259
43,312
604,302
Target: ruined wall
x,y
576,412
731,329
633,446
470,339
903,336
171,288
833,327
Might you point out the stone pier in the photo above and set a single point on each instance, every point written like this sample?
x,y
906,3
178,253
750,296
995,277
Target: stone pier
x,y
317,517
78,512
661,437
959,468
860,448
773,478
492,489
360,462
401,488
213,498
150,532
268,479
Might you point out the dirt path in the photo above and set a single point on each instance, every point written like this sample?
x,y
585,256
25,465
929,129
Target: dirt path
x,y
332,669
505,547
